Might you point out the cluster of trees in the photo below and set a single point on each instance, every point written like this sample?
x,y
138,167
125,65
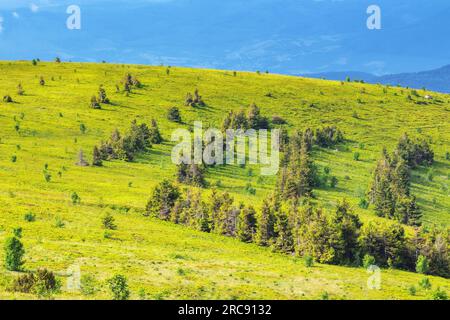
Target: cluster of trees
x,y
129,82
299,175
304,230
194,100
191,174
242,120
139,138
100,98
390,191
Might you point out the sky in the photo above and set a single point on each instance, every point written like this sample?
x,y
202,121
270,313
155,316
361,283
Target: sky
x,y
282,36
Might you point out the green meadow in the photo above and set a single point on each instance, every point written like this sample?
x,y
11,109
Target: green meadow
x,y
42,129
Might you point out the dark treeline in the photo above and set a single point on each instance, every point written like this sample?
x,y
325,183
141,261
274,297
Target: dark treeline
x,y
337,237
390,191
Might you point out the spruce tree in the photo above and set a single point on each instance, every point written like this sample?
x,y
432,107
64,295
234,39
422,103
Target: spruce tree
x,y
154,134
97,158
162,200
283,231
246,224
266,224
14,253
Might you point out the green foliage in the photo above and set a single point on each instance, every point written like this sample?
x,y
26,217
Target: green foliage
x,y
439,294
368,261
13,254
88,285
119,287
162,200
108,222
425,283
422,265
174,115
308,261
29,217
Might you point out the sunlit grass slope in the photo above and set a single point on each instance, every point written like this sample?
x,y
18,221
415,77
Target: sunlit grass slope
x,y
170,261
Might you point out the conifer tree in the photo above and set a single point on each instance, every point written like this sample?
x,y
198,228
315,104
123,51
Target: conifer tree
x,y
266,224
162,200
246,224
14,253
97,158
154,134
284,240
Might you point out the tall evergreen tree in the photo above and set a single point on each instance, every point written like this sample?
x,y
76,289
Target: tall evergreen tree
x,y
97,158
246,227
162,200
266,224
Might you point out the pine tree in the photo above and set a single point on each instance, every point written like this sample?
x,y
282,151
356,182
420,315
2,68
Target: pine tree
x,y
381,193
347,225
162,200
154,134
266,224
97,158
14,253
284,240
300,175
246,224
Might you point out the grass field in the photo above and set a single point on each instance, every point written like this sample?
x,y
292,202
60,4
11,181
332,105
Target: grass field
x,y
168,261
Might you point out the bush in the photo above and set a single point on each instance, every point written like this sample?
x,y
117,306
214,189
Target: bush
x,y
439,294
308,261
29,217
333,182
278,120
447,155
425,283
108,222
356,156
7,99
45,283
14,253
412,290
119,287
422,265
363,203
174,114
87,285
368,261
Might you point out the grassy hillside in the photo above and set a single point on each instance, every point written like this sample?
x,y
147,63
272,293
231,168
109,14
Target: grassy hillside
x,y
170,261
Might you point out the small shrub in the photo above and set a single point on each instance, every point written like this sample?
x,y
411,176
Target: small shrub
x,y
363,203
425,283
24,283
87,285
325,296
75,198
45,283
108,222
422,265
14,253
47,176
439,294
308,261
29,217
59,223
412,290
119,287
333,182
278,120
7,99
174,114
14,158
447,155
356,156
368,261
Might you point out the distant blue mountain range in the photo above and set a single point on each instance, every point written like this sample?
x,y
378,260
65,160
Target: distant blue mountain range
x,y
435,80
281,36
